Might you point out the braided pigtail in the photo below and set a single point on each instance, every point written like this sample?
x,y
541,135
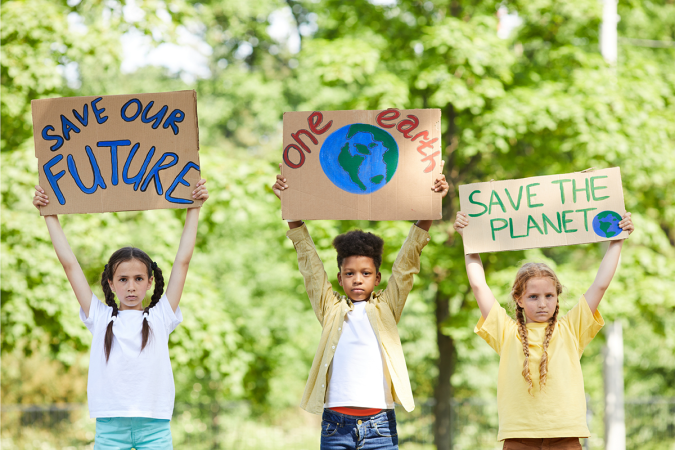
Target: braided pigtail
x,y
522,329
110,301
156,295
543,366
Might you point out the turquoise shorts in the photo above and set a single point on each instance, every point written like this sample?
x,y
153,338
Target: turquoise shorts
x,y
125,433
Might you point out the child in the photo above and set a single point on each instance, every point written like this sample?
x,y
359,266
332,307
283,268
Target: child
x,y
130,390
540,391
359,371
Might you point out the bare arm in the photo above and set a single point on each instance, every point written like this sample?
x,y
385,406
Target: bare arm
x,y
67,258
607,267
174,289
476,273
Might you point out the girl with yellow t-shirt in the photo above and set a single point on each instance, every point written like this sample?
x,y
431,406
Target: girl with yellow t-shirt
x,y
540,388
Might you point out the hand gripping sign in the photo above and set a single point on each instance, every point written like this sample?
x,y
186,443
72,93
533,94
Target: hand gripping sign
x,y
117,152
373,165
548,211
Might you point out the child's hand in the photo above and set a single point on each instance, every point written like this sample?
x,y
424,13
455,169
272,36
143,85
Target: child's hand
x,y
40,198
280,184
626,223
440,185
460,222
200,192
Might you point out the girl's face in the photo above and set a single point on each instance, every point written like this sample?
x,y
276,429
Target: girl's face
x,y
130,283
539,300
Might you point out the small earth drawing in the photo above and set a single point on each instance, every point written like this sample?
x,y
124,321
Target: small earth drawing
x,y
359,158
606,224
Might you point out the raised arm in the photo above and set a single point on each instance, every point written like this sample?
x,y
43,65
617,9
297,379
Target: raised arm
x,y
78,282
475,272
607,267
174,289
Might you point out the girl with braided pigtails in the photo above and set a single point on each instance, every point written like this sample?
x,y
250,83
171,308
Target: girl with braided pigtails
x,y
540,388
130,389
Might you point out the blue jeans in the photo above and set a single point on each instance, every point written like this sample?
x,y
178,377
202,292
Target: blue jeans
x,y
342,432
124,433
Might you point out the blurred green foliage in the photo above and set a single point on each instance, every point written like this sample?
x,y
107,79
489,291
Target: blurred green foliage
x,y
541,102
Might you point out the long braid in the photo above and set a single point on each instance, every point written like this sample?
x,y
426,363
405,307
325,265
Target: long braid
x,y
156,295
110,301
522,329
543,366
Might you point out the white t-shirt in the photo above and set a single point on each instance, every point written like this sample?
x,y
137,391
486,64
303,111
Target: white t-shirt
x,y
132,383
357,375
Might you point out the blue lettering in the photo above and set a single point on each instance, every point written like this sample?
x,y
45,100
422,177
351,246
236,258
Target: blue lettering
x,y
157,118
139,107
50,137
67,126
175,117
84,119
97,112
54,178
139,176
98,179
113,155
154,172
181,180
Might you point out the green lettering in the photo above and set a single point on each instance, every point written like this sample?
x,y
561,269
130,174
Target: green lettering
x,y
562,189
492,226
565,221
583,189
597,188
499,202
477,203
530,195
585,211
513,236
545,219
520,197
530,220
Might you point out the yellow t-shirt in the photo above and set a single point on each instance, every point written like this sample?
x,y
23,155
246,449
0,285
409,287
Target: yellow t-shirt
x,y
560,410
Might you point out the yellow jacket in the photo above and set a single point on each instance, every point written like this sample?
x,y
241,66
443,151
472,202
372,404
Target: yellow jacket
x,y
383,309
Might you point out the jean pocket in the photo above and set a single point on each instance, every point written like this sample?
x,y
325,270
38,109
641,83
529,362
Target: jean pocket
x,y
385,428
328,428
104,419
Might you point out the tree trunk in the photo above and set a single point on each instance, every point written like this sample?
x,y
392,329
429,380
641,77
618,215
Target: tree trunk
x,y
446,367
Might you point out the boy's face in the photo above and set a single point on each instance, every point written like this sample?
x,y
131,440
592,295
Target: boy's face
x,y
358,277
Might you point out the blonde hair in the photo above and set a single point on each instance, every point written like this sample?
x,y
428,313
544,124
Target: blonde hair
x,y
525,274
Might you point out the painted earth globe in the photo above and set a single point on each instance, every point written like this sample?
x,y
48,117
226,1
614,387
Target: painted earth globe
x,y
359,158
606,224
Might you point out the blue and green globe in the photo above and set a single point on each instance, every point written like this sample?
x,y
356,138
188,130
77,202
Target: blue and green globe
x,y
359,158
606,224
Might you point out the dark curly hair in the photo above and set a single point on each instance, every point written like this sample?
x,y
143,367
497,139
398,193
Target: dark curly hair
x,y
359,243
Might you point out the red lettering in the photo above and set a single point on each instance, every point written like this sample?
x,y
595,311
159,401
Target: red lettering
x,y
296,136
425,133
426,144
288,161
411,123
388,114
432,163
314,120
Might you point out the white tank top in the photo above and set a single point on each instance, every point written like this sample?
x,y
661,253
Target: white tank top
x,y
358,376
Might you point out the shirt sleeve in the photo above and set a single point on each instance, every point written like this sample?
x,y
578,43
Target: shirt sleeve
x,y
493,328
98,312
164,312
319,289
583,324
405,267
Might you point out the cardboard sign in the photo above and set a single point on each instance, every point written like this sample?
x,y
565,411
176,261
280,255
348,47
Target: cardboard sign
x,y
549,211
373,165
118,152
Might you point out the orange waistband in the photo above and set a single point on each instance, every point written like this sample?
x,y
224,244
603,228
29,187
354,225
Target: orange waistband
x,y
356,412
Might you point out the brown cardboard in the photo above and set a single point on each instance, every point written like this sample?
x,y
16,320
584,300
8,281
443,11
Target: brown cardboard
x,y
524,225
362,191
173,133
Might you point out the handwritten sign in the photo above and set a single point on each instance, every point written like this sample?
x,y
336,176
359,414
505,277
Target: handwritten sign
x,y
118,152
546,211
373,165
